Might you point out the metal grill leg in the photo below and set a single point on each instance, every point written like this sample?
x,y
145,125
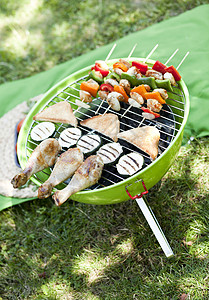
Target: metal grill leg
x,y
154,225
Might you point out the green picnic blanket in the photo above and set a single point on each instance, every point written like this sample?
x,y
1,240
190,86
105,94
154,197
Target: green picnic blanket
x,y
188,32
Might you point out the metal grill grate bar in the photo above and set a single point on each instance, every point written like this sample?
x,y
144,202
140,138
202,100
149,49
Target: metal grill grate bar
x,y
139,123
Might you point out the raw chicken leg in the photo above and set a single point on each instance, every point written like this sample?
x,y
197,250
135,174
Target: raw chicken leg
x,y
86,175
42,157
65,167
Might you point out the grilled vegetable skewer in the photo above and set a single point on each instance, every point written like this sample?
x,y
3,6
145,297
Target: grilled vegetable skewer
x,y
130,75
112,81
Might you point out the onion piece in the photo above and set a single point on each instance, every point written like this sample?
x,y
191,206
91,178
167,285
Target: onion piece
x,y
81,104
148,116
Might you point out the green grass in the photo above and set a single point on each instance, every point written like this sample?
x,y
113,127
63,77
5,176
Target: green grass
x,y
91,252
36,35
83,251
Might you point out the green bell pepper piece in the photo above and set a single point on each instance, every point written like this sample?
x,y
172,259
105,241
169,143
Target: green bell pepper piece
x,y
131,78
94,76
113,75
147,80
164,84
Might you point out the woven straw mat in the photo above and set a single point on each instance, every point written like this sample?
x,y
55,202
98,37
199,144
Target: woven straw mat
x,y
8,167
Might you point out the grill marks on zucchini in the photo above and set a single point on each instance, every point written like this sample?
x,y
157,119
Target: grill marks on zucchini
x,y
89,143
135,161
42,131
110,152
130,163
69,137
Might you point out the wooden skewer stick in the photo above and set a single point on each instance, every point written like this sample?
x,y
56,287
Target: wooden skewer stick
x,y
108,56
182,60
129,107
141,122
132,50
99,106
174,53
79,104
107,109
130,54
111,51
151,52
132,103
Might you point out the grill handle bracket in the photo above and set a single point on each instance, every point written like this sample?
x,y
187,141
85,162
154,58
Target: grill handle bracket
x,y
137,196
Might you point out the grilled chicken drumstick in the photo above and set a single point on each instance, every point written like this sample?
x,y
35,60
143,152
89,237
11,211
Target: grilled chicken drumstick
x,y
86,175
65,167
42,157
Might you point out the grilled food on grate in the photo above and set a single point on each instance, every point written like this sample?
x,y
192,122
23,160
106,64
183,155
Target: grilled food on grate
x,y
65,167
86,175
146,138
42,131
107,124
69,137
60,112
44,156
124,120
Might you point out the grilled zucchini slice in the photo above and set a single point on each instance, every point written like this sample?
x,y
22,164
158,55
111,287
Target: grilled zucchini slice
x,y
110,152
130,163
89,143
42,131
69,137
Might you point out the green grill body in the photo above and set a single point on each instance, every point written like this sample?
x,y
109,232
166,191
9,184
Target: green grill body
x,y
114,193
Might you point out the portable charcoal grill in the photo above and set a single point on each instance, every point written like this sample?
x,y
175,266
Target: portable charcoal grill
x,y
112,187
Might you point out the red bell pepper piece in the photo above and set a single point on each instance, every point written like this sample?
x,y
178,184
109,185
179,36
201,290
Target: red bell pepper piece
x,y
102,67
174,72
147,110
141,66
160,67
106,87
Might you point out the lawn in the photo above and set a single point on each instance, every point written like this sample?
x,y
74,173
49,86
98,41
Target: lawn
x,y
88,252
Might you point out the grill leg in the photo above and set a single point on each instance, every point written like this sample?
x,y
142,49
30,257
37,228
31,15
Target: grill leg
x,y
154,225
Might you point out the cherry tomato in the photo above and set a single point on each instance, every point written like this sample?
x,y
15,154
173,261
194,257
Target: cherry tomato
x,y
106,87
19,125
